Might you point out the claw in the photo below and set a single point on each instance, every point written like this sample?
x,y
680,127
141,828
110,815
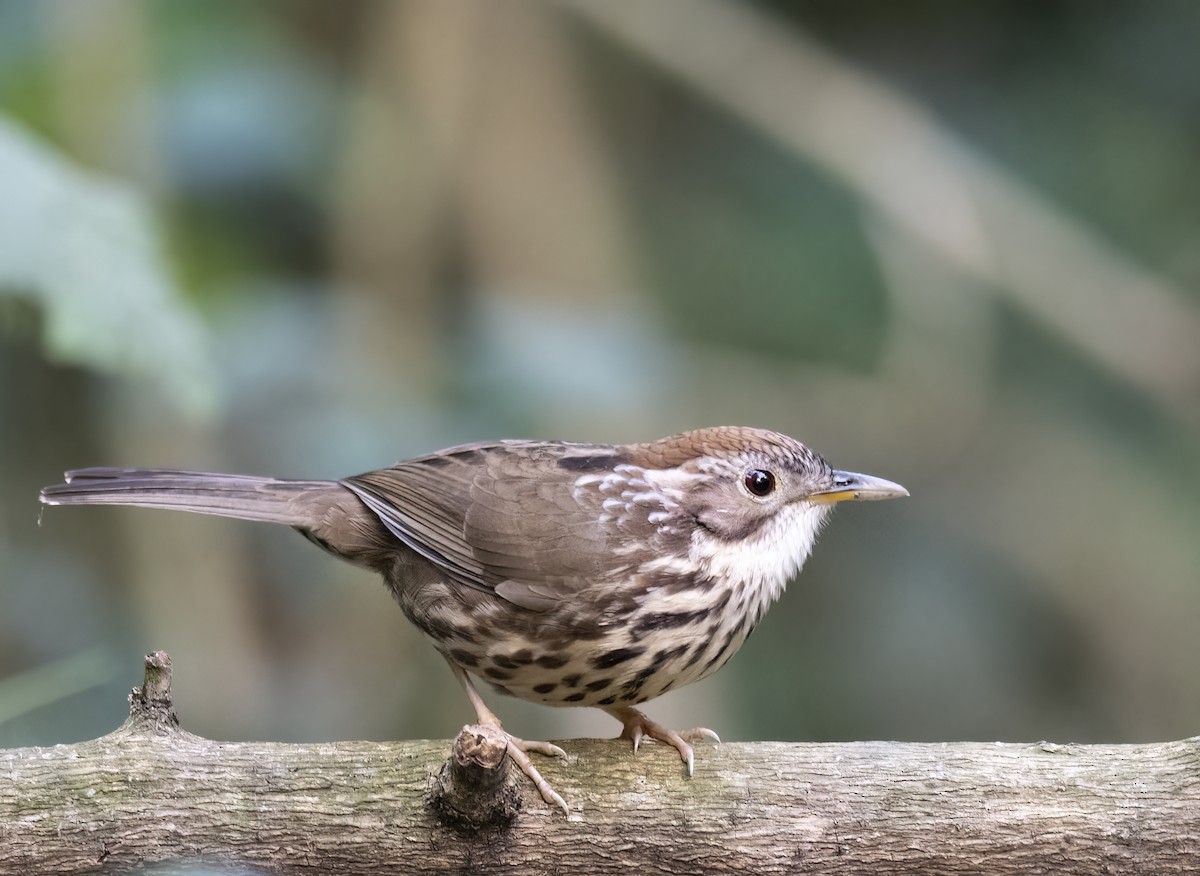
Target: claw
x,y
689,757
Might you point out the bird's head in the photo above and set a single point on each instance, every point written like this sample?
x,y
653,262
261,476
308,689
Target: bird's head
x,y
757,498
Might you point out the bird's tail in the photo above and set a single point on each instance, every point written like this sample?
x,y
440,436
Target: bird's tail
x,y
293,503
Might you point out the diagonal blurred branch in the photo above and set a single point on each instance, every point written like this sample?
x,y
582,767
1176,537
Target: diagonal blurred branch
x,y
51,682
904,164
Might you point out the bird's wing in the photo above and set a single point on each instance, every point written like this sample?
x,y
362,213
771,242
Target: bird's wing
x,y
528,529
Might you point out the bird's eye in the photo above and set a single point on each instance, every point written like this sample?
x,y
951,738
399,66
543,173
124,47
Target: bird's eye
x,y
760,482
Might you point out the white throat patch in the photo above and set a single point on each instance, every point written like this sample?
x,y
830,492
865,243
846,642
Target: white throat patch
x,y
765,562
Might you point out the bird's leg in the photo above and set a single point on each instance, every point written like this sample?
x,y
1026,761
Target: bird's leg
x,y
517,747
636,726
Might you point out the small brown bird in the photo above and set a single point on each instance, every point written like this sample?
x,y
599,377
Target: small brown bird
x,y
565,574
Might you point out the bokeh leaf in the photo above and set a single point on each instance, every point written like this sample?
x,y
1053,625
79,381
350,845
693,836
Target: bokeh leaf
x,y
87,251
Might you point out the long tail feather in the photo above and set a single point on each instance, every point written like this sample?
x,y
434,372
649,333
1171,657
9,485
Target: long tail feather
x,y
226,495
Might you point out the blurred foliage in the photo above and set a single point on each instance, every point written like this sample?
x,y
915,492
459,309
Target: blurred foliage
x,y
85,254
951,244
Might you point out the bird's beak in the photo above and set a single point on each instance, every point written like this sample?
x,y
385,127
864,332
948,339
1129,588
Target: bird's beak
x,y
860,487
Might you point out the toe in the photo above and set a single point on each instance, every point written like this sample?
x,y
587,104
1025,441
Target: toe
x,y
521,759
547,748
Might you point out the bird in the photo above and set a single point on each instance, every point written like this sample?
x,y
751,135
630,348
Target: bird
x,y
567,574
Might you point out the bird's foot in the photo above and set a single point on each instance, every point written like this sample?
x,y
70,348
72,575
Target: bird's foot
x,y
636,727
518,750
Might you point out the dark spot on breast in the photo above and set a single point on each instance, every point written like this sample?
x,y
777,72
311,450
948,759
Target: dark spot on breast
x,y
572,680
695,658
464,658
592,462
552,661
607,701
521,658
616,657
598,684
590,630
631,690
503,661
644,675
668,620
673,582
575,697
545,687
499,674
665,655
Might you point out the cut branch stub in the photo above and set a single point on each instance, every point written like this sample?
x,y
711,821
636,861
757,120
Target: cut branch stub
x,y
150,704
476,788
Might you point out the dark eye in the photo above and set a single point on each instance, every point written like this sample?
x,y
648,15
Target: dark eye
x,y
760,482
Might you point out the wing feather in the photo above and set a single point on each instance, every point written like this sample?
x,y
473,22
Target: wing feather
x,y
531,534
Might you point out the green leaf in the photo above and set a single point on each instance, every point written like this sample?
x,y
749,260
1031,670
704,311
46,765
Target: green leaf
x,y
87,251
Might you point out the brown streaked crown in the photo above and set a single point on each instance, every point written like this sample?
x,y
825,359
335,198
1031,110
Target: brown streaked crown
x,y
676,450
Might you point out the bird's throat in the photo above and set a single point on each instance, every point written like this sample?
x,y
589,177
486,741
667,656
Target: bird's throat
x,y
764,562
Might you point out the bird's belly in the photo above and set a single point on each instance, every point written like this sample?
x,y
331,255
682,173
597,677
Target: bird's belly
x,y
627,652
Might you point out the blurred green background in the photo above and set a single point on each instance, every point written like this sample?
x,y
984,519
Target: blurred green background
x,y
955,245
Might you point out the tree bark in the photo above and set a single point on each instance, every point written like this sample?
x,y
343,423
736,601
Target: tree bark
x,y
151,793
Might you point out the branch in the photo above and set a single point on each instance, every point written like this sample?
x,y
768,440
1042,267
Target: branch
x,y
150,792
866,134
